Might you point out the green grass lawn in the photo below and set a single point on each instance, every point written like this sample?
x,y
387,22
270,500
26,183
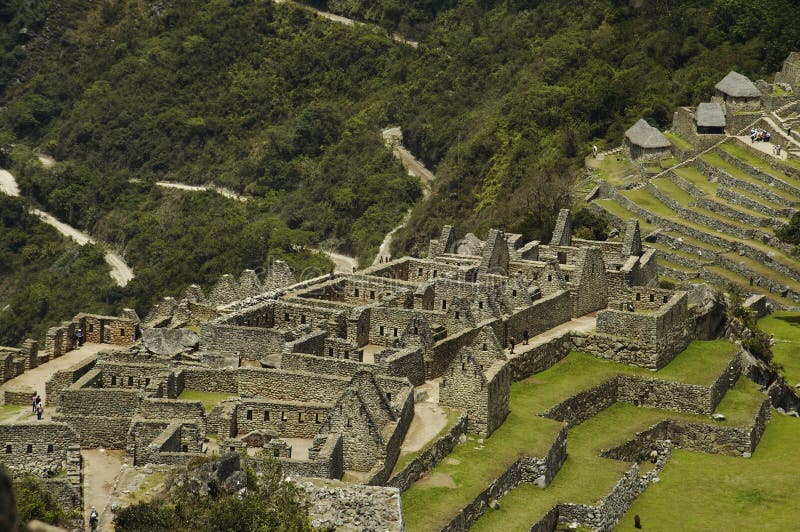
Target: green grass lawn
x,y
613,170
743,154
209,399
472,467
624,214
586,477
405,458
693,176
709,492
673,191
785,326
647,201
8,411
679,141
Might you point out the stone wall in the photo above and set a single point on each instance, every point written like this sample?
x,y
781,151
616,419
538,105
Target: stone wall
x,y
252,343
541,357
107,329
428,458
37,447
63,379
290,419
585,404
542,315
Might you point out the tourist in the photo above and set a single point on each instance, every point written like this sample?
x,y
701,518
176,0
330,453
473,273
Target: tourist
x,y
34,402
39,411
789,131
79,337
331,276
751,280
778,150
630,307
511,342
525,336
94,518
594,151
637,521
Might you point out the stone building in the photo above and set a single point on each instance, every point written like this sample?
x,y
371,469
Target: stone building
x,y
643,141
737,93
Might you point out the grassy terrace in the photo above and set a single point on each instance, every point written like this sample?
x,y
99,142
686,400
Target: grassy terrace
x,y
586,477
666,249
679,141
693,176
618,210
675,266
743,154
472,467
406,457
208,399
673,191
695,242
9,411
727,493
613,170
740,280
717,161
759,269
785,326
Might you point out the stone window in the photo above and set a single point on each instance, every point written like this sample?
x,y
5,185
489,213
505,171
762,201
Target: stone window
x,y
249,414
444,304
91,328
638,296
349,422
416,330
463,366
330,351
302,318
130,381
147,382
480,304
388,397
458,315
49,447
184,448
549,278
380,330
316,418
562,257
434,273
299,417
113,381
419,273
355,292
395,332
566,278
347,354
285,316
276,453
8,449
652,298
666,298
485,347
514,293
29,449
266,415
372,294
122,332
283,415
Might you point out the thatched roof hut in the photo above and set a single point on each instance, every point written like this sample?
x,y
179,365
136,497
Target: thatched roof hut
x,y
710,118
644,141
738,87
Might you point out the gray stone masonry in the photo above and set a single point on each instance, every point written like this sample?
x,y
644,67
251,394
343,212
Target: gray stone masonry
x,y
562,233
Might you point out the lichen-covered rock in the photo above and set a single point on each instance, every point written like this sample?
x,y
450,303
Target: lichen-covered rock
x,y
169,341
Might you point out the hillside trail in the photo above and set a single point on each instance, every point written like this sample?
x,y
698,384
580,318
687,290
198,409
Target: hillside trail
x,y
120,271
350,22
393,139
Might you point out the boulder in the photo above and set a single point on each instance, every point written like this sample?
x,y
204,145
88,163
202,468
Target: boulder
x,y
718,417
169,341
702,296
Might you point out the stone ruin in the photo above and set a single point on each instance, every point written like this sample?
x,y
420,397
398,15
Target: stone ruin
x,y
321,374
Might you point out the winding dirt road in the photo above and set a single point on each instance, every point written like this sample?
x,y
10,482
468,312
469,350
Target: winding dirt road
x,y
393,139
120,271
194,188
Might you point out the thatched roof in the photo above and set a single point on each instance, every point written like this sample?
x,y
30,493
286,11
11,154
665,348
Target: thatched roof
x,y
646,136
709,115
738,86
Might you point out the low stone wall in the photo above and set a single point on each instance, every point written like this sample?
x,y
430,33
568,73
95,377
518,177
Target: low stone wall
x,y
39,447
63,379
65,493
324,459
541,357
585,404
430,457
548,523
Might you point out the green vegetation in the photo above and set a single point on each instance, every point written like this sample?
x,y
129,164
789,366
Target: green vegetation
x,y
589,225
8,411
270,503
679,141
791,232
673,191
785,328
725,492
525,433
693,176
208,399
624,214
35,501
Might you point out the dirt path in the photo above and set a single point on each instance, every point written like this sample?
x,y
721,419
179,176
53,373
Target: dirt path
x,y
350,22
35,379
393,139
344,264
582,324
195,188
101,469
429,418
120,271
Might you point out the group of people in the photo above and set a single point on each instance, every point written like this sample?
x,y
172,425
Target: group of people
x,y
512,341
759,135
36,405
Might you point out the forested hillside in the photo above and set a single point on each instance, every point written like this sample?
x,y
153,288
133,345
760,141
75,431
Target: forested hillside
x,y
501,99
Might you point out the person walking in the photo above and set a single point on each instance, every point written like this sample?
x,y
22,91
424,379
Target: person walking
x,y
34,402
525,336
39,411
511,342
